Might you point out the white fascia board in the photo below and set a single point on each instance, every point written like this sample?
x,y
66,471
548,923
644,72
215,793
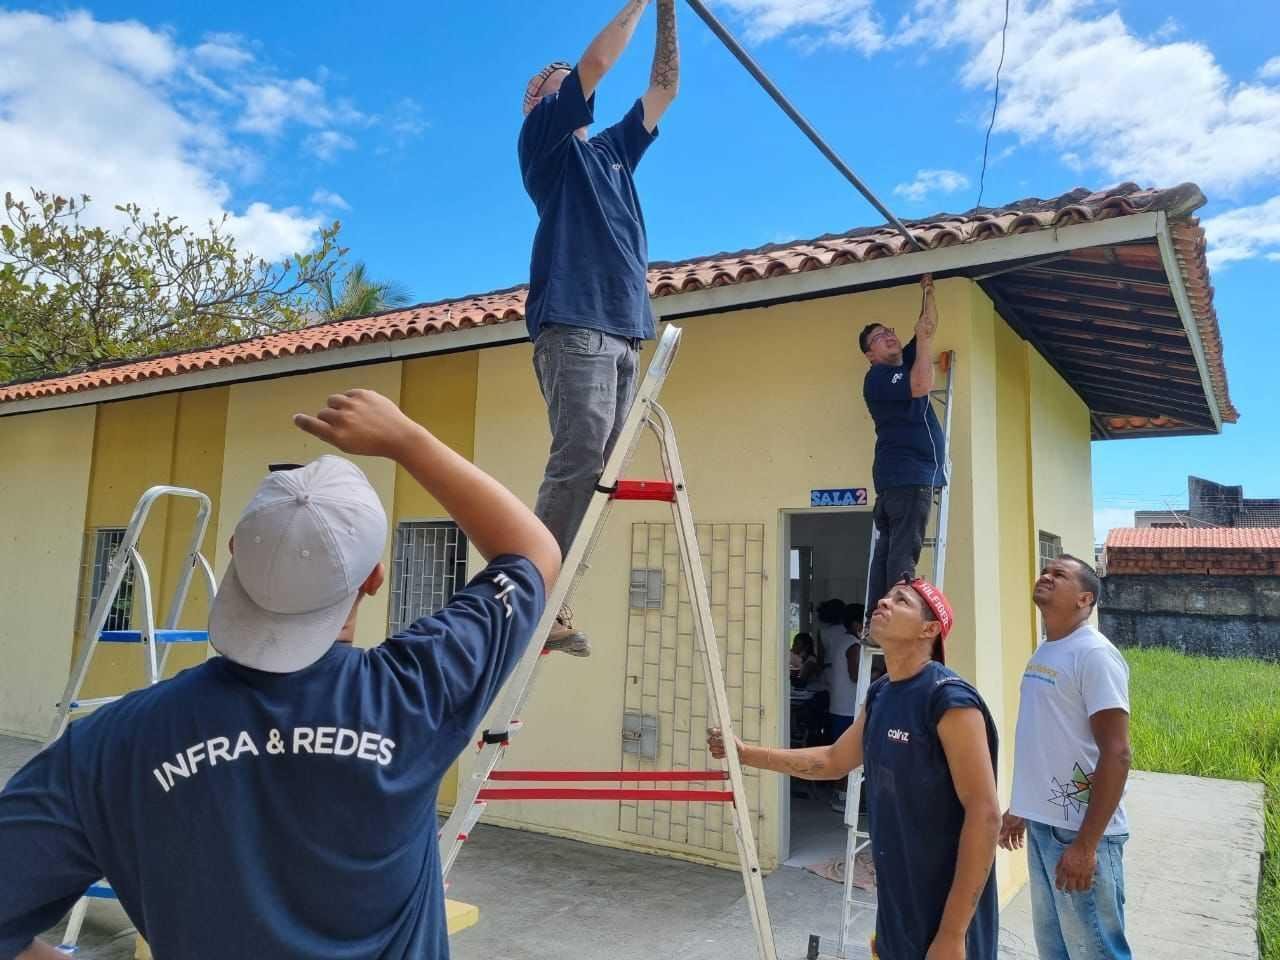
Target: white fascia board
x,y
473,338
1169,257
813,283
1038,243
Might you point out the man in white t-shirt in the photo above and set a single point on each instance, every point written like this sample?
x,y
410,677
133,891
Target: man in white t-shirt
x,y
1070,763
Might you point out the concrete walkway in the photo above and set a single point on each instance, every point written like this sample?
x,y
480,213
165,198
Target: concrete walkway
x,y
1192,872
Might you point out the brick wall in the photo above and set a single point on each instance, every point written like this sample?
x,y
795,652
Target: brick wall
x,y
1193,560
1221,615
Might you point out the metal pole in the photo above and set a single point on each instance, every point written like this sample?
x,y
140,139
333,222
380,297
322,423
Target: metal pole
x,y
780,99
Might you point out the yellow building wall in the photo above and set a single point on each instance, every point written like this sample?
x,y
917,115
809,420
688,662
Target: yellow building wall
x,y
44,480
173,439
439,393
768,405
260,431
1061,465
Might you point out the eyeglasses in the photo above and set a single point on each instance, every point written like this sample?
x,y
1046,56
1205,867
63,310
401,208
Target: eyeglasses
x,y
881,334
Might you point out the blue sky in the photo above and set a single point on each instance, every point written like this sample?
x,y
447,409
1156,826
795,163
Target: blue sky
x,y
400,119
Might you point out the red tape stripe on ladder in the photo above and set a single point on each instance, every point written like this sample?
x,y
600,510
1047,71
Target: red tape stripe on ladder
x,y
621,776
570,793
662,490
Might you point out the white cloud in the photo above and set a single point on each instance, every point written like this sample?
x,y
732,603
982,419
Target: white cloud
x,y
928,182
1134,108
1108,518
270,105
327,198
121,128
1244,233
222,51
850,23
1153,109
326,144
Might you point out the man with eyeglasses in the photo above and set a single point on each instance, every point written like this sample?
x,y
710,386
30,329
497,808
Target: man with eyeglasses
x,y
910,446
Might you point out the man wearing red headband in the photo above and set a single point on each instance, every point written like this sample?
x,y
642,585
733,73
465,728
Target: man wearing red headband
x,y
588,305
928,745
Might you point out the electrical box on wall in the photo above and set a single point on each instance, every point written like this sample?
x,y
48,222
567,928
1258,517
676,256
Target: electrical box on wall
x,y
640,735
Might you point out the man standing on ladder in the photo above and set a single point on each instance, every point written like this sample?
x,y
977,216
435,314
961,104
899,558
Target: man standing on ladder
x,y
929,746
910,458
279,800
588,306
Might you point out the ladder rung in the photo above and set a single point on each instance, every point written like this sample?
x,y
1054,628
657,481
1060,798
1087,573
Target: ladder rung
x,y
91,703
620,776
570,793
662,490
162,636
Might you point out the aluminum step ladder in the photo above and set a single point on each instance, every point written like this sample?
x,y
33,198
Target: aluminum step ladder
x,y
491,743
156,641
936,541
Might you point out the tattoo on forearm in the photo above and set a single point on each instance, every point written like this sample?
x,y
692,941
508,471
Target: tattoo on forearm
x,y
666,57
803,766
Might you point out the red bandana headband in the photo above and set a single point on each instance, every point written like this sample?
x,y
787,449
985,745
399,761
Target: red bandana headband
x,y
936,601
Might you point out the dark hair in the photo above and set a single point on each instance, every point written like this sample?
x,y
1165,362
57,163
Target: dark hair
x,y
831,611
854,614
866,333
805,640
1087,576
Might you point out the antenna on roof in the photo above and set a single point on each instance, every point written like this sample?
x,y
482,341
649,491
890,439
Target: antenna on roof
x,y
797,118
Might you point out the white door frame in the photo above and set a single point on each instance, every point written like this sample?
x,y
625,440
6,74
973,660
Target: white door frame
x,y
783,726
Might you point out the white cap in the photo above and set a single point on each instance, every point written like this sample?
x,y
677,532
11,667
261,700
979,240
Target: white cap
x,y
303,546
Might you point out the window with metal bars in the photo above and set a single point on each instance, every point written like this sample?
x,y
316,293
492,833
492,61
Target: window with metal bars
x,y
428,565
100,549
1050,548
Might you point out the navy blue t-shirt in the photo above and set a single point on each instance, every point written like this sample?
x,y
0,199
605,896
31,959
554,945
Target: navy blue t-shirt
x,y
247,814
590,255
910,446
915,816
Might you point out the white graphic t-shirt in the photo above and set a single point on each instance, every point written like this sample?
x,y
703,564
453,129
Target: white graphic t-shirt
x,y
1066,682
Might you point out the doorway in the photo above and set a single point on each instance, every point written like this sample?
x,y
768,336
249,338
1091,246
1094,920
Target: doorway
x,y
825,555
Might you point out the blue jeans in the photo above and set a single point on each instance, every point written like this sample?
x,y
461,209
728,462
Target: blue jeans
x,y
1077,926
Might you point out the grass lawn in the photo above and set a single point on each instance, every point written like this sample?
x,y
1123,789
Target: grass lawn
x,y
1214,718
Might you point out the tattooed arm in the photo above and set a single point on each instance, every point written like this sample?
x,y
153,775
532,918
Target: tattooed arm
x,y
608,45
810,763
664,77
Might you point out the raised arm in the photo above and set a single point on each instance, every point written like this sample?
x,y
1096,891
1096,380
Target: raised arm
x,y
604,51
926,326
664,76
494,520
808,763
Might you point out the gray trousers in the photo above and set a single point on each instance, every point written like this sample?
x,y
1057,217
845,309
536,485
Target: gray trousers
x,y
588,379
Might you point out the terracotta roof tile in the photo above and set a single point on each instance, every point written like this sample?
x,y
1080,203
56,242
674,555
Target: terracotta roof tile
x,y
666,279
1195,538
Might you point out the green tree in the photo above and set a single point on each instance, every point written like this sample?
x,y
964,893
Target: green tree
x,y
73,295
359,296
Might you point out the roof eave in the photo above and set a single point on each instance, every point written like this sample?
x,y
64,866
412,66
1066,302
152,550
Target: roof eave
x,y
956,260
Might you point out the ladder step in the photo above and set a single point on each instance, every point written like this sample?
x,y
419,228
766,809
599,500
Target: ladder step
x,y
661,490
91,703
162,636
621,776
571,793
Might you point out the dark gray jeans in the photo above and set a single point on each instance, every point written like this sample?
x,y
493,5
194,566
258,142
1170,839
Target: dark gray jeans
x,y
901,516
588,379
